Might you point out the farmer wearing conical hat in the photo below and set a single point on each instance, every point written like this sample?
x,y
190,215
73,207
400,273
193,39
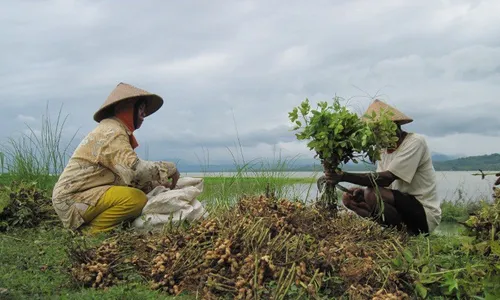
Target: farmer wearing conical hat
x,y
405,180
104,182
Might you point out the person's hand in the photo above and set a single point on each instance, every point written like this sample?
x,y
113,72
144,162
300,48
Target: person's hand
x,y
332,177
348,198
175,177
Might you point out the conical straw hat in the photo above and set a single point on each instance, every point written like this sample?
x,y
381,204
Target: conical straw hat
x,y
397,116
123,92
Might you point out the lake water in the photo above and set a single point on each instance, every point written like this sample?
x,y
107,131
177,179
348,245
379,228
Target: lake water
x,y
450,185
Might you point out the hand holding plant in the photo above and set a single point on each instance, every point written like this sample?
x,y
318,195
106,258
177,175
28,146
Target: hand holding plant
x,y
338,136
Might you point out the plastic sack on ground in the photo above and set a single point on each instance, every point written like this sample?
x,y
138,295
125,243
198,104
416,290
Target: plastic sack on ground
x,y
165,205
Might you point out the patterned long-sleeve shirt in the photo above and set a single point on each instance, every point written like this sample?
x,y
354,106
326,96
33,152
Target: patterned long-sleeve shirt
x,y
104,159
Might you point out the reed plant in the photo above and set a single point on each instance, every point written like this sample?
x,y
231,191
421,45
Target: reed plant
x,y
37,155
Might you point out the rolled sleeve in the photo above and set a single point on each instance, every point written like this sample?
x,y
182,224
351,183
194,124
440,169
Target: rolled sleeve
x,y
122,160
150,174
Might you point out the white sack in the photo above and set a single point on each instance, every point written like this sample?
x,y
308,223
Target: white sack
x,y
165,205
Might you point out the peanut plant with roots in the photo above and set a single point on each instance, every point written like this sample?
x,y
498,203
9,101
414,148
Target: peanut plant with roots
x,y
338,135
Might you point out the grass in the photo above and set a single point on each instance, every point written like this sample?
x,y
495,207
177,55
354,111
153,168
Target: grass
x,y
222,191
257,180
34,265
34,155
448,266
38,270
257,176
458,210
218,180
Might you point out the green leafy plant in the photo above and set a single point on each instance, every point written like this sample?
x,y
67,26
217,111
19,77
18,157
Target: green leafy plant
x,y
458,210
338,135
461,266
484,226
24,205
439,267
38,153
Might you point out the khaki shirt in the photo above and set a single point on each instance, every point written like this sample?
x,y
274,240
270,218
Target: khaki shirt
x,y
103,159
412,164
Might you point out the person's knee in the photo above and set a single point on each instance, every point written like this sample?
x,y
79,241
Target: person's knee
x,y
136,199
372,198
370,195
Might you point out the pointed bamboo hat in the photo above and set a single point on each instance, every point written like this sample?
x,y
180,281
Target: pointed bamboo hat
x,y
377,106
124,92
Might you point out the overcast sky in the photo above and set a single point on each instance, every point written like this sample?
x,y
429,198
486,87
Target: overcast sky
x,y
438,61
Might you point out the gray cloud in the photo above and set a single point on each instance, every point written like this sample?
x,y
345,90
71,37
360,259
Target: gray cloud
x,y
188,138
436,61
443,123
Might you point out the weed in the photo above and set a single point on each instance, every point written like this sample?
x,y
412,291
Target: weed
x,y
24,205
444,267
37,155
458,210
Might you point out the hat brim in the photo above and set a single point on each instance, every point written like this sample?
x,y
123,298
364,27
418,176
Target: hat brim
x,y
403,122
397,116
153,104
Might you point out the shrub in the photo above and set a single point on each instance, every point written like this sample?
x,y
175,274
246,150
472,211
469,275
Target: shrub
x,y
24,205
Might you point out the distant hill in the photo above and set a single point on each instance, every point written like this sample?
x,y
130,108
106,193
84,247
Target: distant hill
x,y
442,157
436,158
348,167
441,162
489,162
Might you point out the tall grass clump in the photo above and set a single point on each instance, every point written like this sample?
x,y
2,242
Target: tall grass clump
x,y
458,211
253,177
460,208
37,155
2,162
273,176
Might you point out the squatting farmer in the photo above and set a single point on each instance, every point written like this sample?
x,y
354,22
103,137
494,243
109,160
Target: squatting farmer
x,y
104,182
405,180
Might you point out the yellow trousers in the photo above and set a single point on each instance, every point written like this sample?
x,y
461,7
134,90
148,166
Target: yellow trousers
x,y
118,204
